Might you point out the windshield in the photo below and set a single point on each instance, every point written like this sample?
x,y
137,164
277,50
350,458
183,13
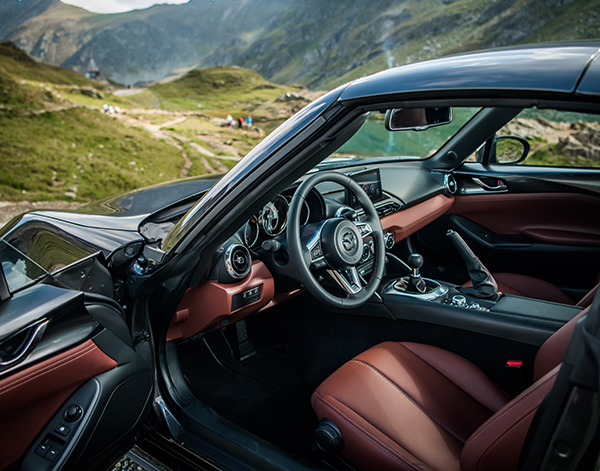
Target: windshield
x,y
373,140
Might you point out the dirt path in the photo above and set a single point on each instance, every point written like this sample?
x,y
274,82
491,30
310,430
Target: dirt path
x,y
174,139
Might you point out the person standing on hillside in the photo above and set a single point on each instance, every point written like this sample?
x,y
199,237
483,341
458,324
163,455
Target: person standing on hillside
x,y
229,121
249,122
240,123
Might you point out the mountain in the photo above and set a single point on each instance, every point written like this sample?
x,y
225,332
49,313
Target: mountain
x,y
318,43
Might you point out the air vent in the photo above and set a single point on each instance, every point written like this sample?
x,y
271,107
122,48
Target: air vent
x,y
450,183
388,208
238,261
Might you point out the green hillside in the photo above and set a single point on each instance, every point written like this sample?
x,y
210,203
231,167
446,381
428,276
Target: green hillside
x,y
78,153
221,88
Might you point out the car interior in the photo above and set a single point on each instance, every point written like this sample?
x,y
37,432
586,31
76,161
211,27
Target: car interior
x,y
475,266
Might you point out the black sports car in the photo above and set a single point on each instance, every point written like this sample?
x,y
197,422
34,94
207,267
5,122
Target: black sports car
x,y
388,281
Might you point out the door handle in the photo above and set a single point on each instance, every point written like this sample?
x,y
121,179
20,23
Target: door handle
x,y
35,332
501,186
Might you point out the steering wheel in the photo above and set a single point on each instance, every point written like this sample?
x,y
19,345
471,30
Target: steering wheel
x,y
335,245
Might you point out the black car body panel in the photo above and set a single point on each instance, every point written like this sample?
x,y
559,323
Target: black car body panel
x,y
590,83
56,239
515,69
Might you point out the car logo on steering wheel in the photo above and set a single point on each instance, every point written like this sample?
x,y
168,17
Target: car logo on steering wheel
x,y
349,241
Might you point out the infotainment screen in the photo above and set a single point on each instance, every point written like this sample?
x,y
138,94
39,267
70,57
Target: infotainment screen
x,y
370,182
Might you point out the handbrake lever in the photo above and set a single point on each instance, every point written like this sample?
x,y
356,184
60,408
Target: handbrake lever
x,y
484,285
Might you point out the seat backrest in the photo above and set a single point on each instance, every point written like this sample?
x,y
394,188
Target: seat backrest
x,y
497,444
553,350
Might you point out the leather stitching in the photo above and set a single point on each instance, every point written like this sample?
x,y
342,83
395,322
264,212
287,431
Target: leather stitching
x,y
421,408
378,443
47,369
517,402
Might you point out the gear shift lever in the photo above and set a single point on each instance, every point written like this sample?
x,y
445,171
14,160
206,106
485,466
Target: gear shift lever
x,y
484,285
414,283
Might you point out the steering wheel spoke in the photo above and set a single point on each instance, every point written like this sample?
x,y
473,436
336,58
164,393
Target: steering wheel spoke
x,y
365,229
313,251
348,279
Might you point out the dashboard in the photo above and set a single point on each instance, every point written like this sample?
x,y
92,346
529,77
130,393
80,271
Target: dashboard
x,y
252,269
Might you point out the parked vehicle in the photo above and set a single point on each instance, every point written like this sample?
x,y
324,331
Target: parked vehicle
x,y
200,316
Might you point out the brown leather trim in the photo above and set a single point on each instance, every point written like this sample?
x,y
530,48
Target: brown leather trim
x,y
279,298
529,287
553,350
410,220
576,239
588,298
487,446
463,373
399,403
366,446
30,397
514,213
205,306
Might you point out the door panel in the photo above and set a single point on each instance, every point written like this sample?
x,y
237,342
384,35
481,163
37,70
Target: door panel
x,y
30,397
571,214
84,358
545,223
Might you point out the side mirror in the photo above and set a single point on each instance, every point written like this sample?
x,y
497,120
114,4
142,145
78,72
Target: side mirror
x,y
509,150
417,119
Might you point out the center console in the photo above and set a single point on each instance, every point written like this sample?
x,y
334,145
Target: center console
x,y
478,308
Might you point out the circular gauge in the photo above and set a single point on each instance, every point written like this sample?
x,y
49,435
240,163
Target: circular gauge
x,y
251,232
273,216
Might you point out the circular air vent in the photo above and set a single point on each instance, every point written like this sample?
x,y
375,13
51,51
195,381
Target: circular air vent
x,y
450,183
238,261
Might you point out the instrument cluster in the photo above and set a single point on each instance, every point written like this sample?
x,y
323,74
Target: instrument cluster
x,y
271,220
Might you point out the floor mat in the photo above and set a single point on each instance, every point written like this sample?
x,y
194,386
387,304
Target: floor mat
x,y
261,394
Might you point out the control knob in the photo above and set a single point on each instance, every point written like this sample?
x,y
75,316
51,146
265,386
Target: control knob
x,y
389,241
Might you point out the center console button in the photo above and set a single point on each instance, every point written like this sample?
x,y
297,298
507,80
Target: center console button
x,y
459,300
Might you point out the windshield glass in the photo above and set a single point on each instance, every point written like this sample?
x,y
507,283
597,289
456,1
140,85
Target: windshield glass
x,y
373,140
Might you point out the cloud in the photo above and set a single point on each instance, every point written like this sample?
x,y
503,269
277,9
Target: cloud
x,y
118,6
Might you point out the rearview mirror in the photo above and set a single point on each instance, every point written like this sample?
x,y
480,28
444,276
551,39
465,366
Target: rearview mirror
x,y
417,119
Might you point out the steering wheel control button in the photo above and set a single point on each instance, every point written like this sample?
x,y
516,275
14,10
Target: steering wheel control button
x,y
62,430
73,413
316,253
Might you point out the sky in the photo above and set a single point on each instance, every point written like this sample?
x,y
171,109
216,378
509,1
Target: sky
x,y
117,6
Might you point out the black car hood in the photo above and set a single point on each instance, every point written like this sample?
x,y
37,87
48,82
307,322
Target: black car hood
x,y
125,212
55,239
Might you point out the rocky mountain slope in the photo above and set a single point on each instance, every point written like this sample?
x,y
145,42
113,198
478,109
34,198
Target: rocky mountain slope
x,y
314,42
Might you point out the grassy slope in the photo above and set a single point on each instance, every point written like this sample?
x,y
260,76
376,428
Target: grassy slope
x,y
79,152
218,89
78,149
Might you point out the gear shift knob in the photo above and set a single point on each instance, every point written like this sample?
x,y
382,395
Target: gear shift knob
x,y
415,261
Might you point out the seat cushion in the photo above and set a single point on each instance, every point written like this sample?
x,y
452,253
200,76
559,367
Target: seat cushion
x,y
407,406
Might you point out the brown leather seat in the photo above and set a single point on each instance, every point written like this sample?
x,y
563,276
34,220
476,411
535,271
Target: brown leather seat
x,y
416,407
529,287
